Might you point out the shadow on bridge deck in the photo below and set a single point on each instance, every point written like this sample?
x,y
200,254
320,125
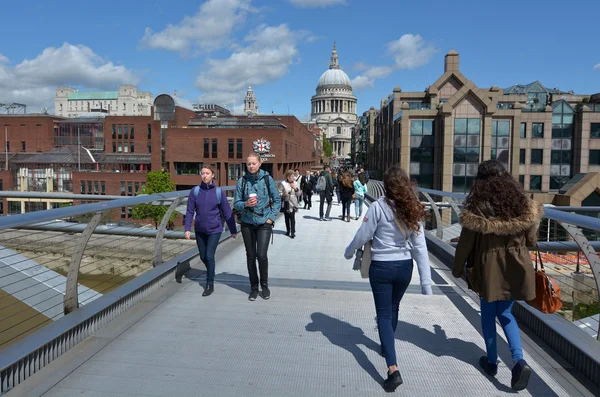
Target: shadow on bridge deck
x,y
316,336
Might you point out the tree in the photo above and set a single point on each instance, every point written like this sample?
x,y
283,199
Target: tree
x,y
327,146
156,182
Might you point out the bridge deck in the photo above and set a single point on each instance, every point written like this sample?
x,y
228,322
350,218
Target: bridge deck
x,y
316,336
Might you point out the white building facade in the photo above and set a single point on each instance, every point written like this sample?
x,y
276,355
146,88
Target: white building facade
x,y
333,108
128,101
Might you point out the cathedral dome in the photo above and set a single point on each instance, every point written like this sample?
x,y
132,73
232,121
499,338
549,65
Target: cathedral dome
x,y
334,77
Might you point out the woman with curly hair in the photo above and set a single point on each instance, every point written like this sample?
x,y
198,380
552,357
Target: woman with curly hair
x,y
499,222
393,223
346,189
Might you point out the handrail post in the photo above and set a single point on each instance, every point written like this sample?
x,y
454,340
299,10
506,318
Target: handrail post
x,y
590,255
438,219
158,243
71,300
455,208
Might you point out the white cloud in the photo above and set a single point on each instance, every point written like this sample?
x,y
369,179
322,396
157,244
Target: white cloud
x,y
3,59
209,29
267,57
33,82
409,52
597,67
316,3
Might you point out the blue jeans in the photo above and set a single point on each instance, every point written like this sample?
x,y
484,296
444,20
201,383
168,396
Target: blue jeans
x,y
389,280
207,246
502,310
358,205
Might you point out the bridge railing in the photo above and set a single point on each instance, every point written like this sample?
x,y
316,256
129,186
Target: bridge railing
x,y
71,278
567,242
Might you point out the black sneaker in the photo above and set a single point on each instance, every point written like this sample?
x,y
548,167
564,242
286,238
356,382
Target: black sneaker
x,y
489,368
253,295
266,294
392,382
520,376
208,290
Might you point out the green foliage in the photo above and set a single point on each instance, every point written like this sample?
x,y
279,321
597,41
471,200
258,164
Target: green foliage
x,y
156,182
327,146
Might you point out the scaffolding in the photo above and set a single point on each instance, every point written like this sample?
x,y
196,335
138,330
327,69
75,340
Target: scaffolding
x,y
13,108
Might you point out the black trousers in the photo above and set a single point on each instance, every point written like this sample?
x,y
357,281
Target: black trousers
x,y
256,241
325,196
290,221
307,197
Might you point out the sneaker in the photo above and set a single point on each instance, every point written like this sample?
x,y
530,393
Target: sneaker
x,y
489,368
253,295
321,219
266,294
520,376
392,382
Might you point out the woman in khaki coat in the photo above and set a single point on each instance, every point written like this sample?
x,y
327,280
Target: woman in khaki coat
x,y
499,222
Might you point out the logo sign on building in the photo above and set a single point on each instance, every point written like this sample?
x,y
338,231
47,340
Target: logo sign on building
x,y
263,148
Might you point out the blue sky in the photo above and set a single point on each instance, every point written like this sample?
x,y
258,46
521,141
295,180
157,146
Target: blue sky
x,y
210,50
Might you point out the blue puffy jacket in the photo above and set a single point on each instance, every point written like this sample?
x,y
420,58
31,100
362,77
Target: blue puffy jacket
x,y
259,214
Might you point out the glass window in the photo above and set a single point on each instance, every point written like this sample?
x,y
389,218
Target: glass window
x,y
114,131
122,188
416,127
594,130
126,131
131,131
102,187
339,130
523,130
215,151
96,187
149,147
89,187
473,127
120,131
120,147
537,156
23,147
131,147
136,186
149,131
114,147
188,168
130,188
537,130
522,181
82,187
535,182
230,147
239,148
206,147
460,126
594,157
522,156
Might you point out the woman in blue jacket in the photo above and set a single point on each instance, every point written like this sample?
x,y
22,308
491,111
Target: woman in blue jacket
x,y
360,189
205,203
257,200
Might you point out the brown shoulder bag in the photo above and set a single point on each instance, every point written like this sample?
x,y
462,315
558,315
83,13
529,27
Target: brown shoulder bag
x,y
547,291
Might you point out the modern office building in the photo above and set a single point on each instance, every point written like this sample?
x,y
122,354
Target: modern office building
x,y
363,141
127,101
544,137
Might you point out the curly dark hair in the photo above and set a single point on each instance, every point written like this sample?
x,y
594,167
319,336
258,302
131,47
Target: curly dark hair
x,y
401,196
347,180
496,193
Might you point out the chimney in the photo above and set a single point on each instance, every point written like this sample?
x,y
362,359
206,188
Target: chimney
x,y
451,62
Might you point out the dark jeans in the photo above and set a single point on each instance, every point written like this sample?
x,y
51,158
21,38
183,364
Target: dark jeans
x,y
207,246
389,280
256,241
346,206
290,221
325,196
307,197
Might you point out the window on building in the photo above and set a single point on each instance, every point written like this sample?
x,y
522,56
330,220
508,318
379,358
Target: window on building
x,y
521,156
96,191
102,187
149,147
123,213
522,181
149,131
230,148
537,156
131,132
239,148
23,146
89,187
206,148
136,187
120,131
131,147
594,130
594,157
122,188
422,142
188,168
114,147
130,188
561,155
535,183
501,142
537,130
114,131
235,171
523,130
14,207
126,131
125,147
215,151
466,153
82,190
339,130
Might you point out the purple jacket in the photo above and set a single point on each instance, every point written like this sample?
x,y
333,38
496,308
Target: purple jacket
x,y
208,214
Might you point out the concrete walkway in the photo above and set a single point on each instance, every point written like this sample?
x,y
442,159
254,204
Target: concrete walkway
x,y
316,336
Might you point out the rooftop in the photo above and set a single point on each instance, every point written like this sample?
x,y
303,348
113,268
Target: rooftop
x,y
93,95
238,122
62,155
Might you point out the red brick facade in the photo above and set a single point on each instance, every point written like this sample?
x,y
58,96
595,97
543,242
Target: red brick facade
x,y
28,133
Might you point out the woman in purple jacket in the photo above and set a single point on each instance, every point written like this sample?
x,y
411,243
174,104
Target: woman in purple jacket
x,y
208,207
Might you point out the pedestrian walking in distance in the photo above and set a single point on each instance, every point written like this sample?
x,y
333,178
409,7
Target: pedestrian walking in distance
x,y
258,201
393,223
307,185
498,223
290,191
208,204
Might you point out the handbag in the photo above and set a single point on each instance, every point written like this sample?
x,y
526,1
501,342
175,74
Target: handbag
x,y
547,292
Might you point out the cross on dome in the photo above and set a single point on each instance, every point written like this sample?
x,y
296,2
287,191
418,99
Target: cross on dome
x,y
334,58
